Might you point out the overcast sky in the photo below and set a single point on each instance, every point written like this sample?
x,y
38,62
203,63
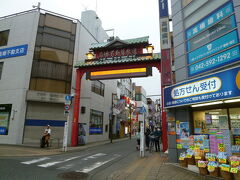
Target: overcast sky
x,y
128,18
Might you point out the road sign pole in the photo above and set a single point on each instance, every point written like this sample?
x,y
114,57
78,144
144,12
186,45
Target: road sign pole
x,y
65,135
66,112
142,138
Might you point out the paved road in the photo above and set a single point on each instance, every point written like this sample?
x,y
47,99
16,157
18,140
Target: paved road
x,y
98,162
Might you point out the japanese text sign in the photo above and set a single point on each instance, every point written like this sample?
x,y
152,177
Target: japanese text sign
x,y
211,19
13,51
222,85
221,59
163,8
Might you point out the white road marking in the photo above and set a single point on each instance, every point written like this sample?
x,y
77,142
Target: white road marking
x,y
96,165
94,156
58,162
68,166
35,160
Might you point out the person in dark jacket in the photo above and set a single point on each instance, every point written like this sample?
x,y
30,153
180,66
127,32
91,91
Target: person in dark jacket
x,y
147,138
157,133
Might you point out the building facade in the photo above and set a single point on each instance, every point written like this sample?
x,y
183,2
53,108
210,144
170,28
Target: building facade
x,y
37,52
205,98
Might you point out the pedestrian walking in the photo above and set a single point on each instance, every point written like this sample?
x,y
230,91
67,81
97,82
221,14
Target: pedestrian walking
x,y
138,140
147,138
157,135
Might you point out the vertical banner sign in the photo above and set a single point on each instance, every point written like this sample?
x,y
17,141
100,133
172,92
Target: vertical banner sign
x,y
166,67
165,45
165,33
163,8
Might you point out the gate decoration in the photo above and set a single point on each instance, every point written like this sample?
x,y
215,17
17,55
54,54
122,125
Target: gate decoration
x,y
115,59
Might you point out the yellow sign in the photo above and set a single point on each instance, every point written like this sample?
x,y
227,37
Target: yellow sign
x,y
211,159
197,147
211,168
221,147
234,170
206,150
179,146
225,168
222,160
119,73
201,164
197,157
234,163
181,158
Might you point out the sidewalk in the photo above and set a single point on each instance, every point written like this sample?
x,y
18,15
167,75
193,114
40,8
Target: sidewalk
x,y
26,150
155,166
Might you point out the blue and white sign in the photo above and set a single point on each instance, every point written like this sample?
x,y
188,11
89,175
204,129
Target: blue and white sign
x,y
216,31
213,47
13,51
163,8
95,130
3,130
211,19
218,86
213,62
68,98
142,110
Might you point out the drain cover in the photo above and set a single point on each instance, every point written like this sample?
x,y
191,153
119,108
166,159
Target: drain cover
x,y
73,175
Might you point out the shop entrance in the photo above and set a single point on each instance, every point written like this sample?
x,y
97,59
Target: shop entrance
x,y
215,120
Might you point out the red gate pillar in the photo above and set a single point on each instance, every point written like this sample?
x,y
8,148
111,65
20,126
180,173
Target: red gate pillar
x,y
164,123
163,113
76,107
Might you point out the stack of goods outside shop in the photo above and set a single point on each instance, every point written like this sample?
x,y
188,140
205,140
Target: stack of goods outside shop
x,y
213,153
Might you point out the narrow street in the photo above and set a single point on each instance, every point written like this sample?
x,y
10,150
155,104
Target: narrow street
x,y
93,163
119,160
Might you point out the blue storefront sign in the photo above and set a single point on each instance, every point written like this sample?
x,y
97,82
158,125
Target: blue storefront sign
x,y
213,47
3,130
218,86
163,8
95,130
216,31
213,62
216,16
13,51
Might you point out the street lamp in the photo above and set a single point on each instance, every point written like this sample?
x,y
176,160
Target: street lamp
x,y
150,48
90,55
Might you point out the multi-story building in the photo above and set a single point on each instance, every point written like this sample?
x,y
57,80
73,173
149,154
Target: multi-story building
x,y
37,52
121,123
141,104
205,98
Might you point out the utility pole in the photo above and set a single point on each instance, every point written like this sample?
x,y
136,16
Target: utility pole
x,y
130,111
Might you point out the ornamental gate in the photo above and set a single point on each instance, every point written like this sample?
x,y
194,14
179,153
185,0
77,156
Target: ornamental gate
x,y
116,59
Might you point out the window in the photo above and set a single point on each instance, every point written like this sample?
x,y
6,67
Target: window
x,y
5,113
96,122
4,38
98,87
138,97
1,67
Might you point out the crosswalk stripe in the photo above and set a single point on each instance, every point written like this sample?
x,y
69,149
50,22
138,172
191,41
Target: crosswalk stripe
x,y
94,156
58,162
96,165
35,160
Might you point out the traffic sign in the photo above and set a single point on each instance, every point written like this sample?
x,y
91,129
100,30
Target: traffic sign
x,y
68,98
66,107
143,110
